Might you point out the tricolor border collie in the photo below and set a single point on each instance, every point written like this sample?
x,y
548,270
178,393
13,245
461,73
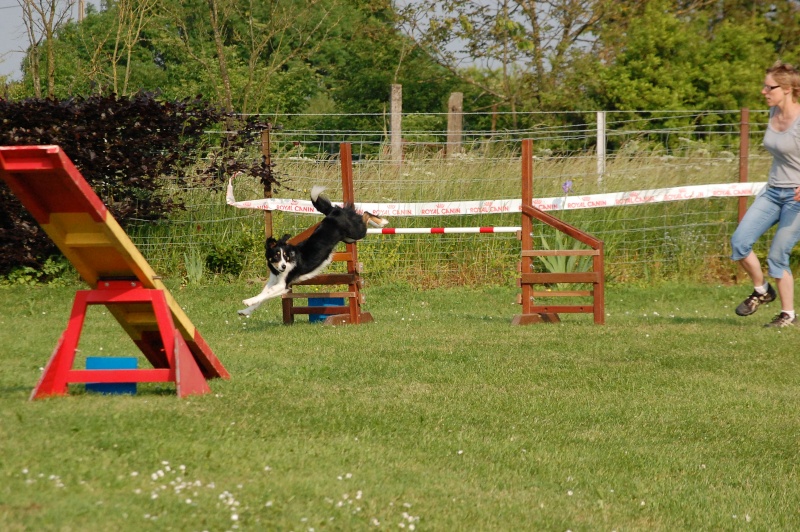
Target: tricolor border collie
x,y
290,263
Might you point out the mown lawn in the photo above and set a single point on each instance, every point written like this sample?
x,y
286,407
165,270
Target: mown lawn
x,y
675,415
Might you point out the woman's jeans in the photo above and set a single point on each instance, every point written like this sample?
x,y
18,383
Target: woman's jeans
x,y
773,206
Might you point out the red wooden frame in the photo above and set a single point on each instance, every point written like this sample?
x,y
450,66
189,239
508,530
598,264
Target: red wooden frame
x,y
167,351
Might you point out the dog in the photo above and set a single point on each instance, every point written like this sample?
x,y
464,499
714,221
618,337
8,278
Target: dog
x,y
289,263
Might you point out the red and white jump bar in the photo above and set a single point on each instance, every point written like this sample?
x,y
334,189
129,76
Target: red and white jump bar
x,y
439,230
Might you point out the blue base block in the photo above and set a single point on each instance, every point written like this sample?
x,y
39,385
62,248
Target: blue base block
x,y
111,363
323,302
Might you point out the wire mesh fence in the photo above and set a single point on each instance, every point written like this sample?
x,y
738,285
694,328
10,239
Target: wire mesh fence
x,y
640,153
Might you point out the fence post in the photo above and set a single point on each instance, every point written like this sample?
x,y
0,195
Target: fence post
x,y
744,155
397,123
265,152
455,110
601,145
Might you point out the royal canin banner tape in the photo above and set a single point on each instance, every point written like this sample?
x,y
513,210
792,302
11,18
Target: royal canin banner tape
x,y
502,206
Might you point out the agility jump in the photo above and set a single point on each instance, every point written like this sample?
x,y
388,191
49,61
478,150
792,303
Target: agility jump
x,y
531,313
53,190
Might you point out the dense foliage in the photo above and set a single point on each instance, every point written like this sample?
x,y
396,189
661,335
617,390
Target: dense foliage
x,y
127,148
341,56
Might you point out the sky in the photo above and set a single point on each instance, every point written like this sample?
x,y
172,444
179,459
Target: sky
x,y
13,40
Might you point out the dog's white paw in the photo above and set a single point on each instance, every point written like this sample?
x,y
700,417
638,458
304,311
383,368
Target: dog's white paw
x,y
248,302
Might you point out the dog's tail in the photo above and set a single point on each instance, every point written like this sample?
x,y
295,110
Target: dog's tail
x,y
320,202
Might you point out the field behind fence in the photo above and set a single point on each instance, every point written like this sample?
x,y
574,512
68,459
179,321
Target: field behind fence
x,y
679,239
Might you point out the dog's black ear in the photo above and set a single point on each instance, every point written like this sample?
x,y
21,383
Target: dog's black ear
x,y
271,243
285,238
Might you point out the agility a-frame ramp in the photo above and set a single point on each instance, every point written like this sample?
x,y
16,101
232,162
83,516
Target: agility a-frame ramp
x,y
53,190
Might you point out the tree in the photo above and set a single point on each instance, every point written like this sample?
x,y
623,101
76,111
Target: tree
x,y
240,45
668,61
132,17
527,45
42,20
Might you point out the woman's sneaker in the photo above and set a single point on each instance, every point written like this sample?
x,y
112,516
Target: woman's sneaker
x,y
782,320
751,304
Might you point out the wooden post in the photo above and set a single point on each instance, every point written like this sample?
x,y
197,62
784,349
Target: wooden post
x,y
265,151
455,115
526,239
397,123
346,159
601,145
744,156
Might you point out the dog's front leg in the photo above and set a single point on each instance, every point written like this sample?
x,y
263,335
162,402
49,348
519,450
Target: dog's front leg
x,y
268,293
274,287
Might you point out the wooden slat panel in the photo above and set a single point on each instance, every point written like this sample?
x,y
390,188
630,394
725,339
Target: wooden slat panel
x,y
566,293
292,295
556,309
546,278
559,252
329,278
320,310
342,256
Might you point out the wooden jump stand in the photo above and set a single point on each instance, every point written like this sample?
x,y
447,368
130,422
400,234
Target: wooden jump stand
x,y
350,313
53,190
532,313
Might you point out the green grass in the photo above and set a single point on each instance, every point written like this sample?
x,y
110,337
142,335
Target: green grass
x,y
675,415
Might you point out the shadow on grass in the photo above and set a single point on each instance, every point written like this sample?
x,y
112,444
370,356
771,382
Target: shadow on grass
x,y
718,321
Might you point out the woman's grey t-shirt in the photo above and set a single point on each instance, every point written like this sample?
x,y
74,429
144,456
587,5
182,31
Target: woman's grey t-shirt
x,y
784,146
